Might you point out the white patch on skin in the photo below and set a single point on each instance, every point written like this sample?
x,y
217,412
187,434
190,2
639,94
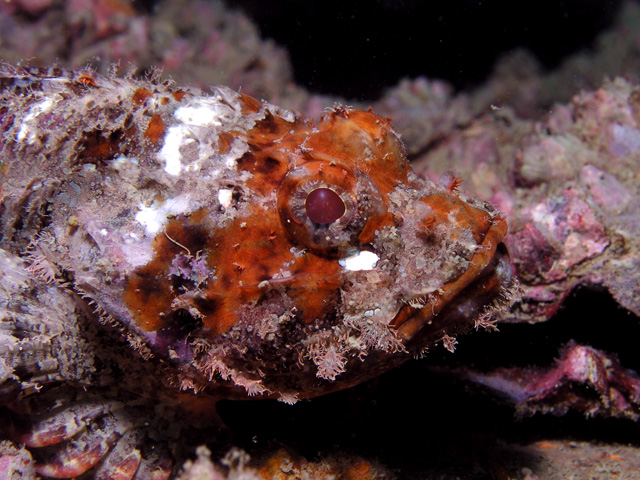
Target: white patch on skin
x,y
34,111
154,218
288,116
203,112
231,163
170,151
197,114
225,196
363,260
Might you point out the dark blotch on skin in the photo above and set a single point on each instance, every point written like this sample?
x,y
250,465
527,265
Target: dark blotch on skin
x,y
174,335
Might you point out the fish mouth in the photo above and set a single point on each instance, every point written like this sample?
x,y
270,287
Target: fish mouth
x,y
473,299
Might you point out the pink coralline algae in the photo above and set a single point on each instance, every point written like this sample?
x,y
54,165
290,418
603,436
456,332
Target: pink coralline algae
x,y
614,390
567,183
569,186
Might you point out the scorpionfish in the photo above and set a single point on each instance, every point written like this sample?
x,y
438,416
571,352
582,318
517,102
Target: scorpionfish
x,y
163,248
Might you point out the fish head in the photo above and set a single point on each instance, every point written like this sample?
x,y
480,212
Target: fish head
x,y
332,262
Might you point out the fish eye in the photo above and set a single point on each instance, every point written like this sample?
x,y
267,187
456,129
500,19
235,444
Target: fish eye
x,y
325,206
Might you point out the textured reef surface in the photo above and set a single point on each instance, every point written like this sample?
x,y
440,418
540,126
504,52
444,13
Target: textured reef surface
x,y
168,247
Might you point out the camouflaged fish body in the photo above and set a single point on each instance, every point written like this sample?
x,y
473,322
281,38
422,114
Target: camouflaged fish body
x,y
238,248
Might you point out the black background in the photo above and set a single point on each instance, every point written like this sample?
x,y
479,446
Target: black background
x,y
357,48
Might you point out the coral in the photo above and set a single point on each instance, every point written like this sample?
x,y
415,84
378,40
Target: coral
x,y
612,390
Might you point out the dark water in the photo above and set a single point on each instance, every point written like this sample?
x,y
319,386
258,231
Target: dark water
x,y
357,48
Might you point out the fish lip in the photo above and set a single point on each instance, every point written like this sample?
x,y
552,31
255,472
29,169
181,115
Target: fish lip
x,y
485,296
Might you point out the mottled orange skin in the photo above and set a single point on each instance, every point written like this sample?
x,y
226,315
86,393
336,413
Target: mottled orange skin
x,y
347,149
252,249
